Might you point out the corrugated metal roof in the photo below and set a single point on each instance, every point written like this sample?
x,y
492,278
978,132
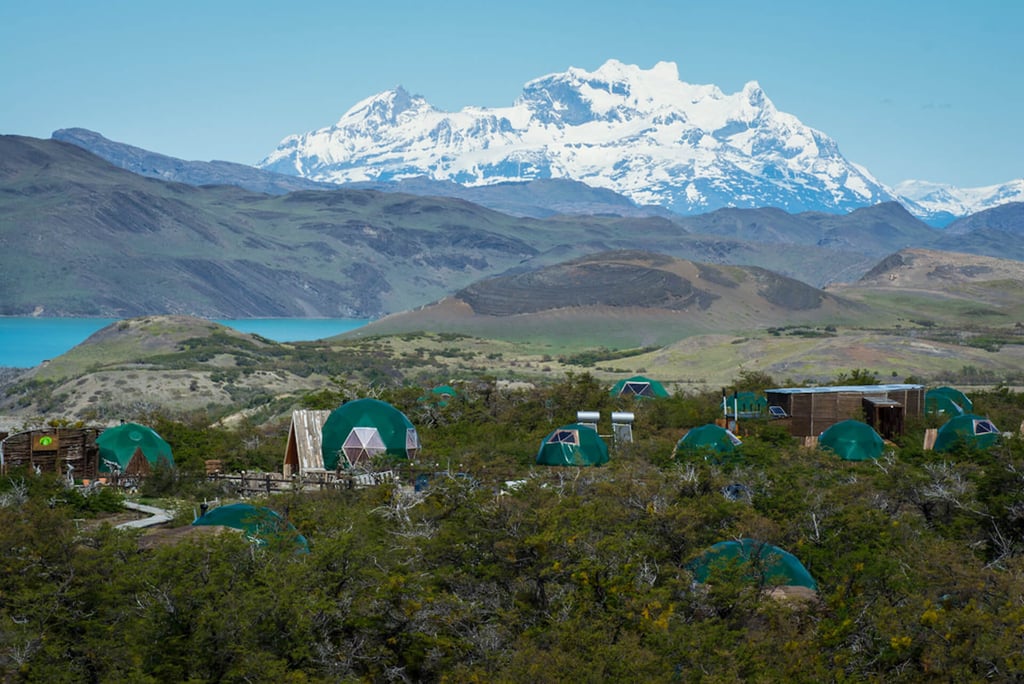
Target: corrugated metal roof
x,y
879,401
304,437
851,389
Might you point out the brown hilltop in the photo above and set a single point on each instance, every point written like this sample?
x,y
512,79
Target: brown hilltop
x,y
982,283
619,293
619,279
640,279
933,269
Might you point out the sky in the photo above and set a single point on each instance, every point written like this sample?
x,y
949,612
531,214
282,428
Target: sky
x,y
910,89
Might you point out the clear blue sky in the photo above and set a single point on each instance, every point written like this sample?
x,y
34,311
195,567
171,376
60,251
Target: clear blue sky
x,y
918,89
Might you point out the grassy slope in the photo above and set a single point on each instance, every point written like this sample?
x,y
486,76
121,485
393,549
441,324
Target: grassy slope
x,y
132,341
716,360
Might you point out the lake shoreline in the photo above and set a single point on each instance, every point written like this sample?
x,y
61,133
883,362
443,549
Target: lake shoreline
x,y
28,341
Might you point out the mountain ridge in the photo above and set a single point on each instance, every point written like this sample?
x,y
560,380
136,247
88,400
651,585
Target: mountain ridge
x,y
540,198
936,204
942,199
643,133
155,165
84,237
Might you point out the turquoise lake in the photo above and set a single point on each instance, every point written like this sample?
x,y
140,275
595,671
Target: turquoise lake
x,y
27,342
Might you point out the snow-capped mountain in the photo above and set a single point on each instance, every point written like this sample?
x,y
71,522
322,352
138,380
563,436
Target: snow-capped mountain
x,y
642,133
938,198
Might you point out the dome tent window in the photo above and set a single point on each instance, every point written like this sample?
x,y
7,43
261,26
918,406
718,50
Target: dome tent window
x,y
564,437
984,427
362,444
638,387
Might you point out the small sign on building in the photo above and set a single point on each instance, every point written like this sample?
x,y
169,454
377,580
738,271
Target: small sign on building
x,y
45,441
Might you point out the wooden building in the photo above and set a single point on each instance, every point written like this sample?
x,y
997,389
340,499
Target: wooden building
x,y
808,411
302,455
52,450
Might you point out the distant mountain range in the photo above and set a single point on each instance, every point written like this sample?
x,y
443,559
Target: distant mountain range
x,y
83,237
941,200
644,134
155,165
620,141
938,205
539,198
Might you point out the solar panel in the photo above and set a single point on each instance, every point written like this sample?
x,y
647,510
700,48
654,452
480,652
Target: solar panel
x,y
777,411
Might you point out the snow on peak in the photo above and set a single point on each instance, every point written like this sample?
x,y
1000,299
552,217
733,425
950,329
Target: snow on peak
x,y
755,96
644,133
661,74
386,107
940,198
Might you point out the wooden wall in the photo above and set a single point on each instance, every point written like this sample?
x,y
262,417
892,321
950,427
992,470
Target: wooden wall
x,y
53,450
813,412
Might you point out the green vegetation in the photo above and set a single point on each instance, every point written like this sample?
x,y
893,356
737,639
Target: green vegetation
x,y
857,376
803,331
572,575
593,357
989,339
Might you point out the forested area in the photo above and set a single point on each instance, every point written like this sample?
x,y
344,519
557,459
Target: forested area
x,y
572,574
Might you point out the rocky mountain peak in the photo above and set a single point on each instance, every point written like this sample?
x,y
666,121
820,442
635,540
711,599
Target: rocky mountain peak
x,y
643,133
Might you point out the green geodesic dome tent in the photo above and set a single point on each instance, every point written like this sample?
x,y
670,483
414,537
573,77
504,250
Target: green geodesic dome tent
x,y
259,523
763,563
941,405
130,448
360,430
744,404
444,392
573,445
640,387
852,440
968,429
439,396
710,440
947,401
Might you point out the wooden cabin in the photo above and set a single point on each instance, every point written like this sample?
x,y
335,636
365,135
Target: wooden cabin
x,y
302,454
52,450
808,411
